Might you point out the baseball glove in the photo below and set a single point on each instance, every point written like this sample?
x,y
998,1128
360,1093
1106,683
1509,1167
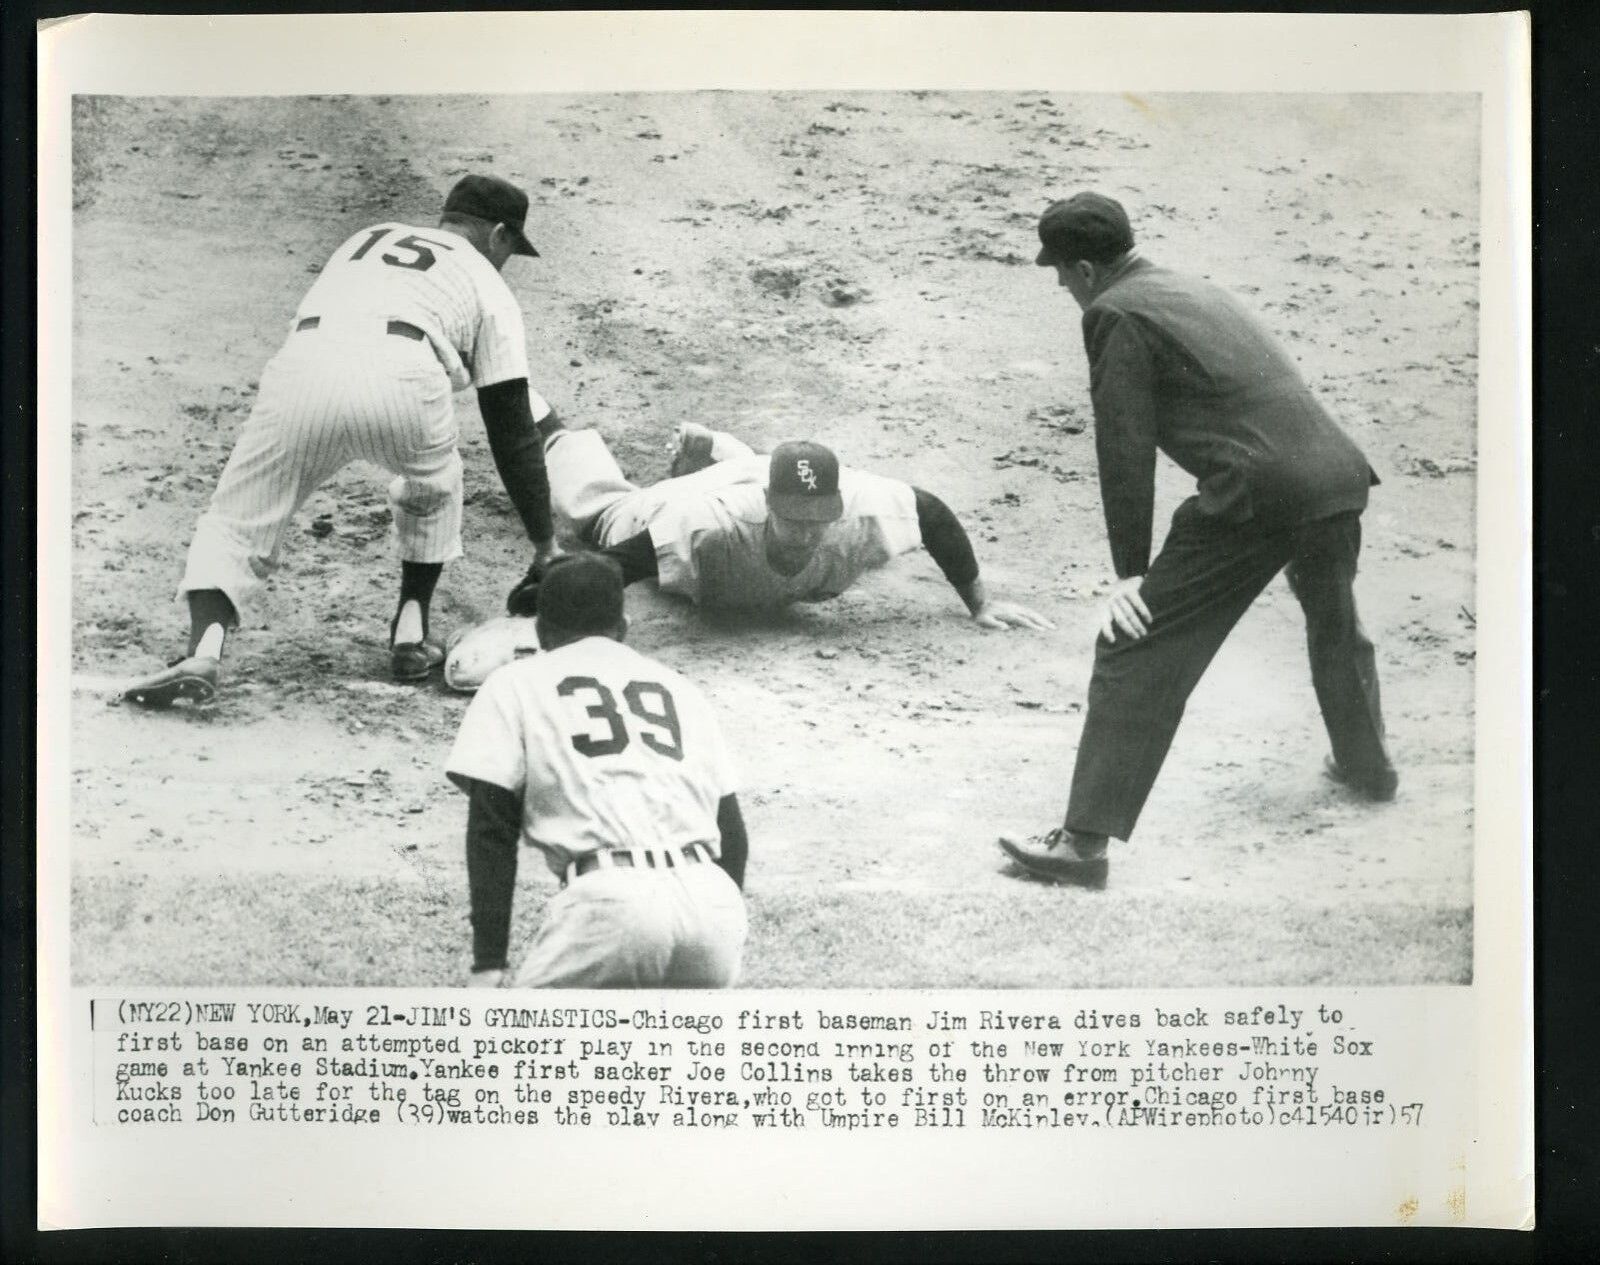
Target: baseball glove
x,y
524,596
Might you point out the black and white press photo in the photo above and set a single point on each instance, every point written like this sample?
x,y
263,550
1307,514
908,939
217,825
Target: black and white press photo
x,y
940,593
1234,370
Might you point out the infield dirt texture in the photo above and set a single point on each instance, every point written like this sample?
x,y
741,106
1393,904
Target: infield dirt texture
x,y
856,269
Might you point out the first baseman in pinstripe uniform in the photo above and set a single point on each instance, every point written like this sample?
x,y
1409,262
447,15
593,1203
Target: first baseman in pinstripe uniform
x,y
399,318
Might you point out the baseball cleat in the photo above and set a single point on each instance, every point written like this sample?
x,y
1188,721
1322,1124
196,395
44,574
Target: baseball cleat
x,y
413,660
1379,787
1055,857
194,679
693,452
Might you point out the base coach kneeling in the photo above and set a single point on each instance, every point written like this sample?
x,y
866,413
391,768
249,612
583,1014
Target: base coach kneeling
x,y
1177,365
614,768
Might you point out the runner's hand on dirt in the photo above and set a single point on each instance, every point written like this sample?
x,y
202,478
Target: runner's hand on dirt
x,y
1007,615
1126,610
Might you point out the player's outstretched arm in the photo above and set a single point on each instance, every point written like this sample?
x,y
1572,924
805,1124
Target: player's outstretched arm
x,y
518,451
735,842
946,539
494,817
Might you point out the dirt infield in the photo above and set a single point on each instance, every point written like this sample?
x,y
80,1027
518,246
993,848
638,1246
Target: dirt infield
x,y
856,269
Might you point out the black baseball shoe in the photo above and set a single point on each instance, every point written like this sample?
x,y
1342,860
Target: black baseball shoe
x,y
1062,856
194,679
1379,787
692,452
413,660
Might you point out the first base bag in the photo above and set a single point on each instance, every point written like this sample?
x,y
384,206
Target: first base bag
x,y
475,652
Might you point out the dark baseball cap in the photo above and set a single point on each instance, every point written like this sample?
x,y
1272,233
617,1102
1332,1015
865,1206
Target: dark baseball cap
x,y
1085,226
803,482
496,200
581,593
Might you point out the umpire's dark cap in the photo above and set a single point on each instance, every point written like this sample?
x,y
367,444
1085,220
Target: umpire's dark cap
x,y
582,593
1085,226
496,200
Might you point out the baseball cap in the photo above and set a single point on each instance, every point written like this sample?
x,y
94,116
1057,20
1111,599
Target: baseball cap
x,y
1085,226
803,482
496,200
581,593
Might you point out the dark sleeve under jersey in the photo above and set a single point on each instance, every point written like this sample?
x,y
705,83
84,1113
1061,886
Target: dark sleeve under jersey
x,y
494,824
735,841
945,538
518,451
636,556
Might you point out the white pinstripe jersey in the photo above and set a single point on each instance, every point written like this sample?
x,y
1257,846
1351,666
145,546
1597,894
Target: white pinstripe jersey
x,y
435,280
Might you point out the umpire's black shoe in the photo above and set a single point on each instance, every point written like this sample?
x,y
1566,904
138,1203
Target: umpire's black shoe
x,y
1379,787
1063,856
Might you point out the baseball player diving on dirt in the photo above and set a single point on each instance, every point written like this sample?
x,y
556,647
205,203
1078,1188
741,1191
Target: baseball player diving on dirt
x,y
731,528
398,319
614,768
1178,365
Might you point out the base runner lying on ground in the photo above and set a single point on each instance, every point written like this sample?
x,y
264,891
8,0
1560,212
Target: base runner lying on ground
x,y
731,528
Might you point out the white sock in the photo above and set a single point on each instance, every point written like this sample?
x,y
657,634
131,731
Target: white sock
x,y
408,628
210,644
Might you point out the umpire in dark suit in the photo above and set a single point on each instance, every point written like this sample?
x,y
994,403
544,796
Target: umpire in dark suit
x,y
1177,365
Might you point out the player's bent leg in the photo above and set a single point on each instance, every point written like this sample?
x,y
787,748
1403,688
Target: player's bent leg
x,y
426,506
585,479
427,524
281,457
238,539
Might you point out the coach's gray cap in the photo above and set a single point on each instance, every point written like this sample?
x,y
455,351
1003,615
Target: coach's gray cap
x,y
1085,226
496,200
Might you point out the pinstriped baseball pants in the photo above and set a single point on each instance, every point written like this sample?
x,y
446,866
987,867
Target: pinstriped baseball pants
x,y
326,400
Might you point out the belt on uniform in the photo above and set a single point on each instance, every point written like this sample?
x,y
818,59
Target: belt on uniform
x,y
639,859
401,329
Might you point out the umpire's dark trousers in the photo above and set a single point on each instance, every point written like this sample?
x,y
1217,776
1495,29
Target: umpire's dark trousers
x,y
1205,577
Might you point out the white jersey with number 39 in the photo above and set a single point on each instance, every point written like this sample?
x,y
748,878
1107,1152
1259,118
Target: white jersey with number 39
x,y
608,749
432,279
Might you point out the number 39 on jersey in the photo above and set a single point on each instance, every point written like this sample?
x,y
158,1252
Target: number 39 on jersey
x,y
608,731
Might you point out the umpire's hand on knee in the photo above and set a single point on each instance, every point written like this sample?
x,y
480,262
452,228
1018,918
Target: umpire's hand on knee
x,y
1125,610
